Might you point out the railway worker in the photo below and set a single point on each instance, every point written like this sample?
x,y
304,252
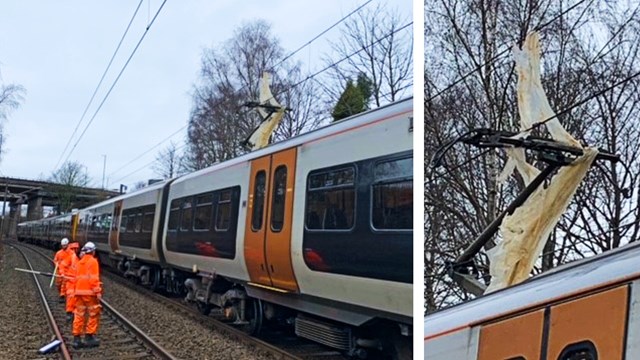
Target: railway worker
x,y
60,256
70,265
87,293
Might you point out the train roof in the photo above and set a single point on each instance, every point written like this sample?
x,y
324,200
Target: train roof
x,y
152,187
350,123
581,276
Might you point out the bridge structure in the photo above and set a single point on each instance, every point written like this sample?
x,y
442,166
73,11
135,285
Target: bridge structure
x,y
37,194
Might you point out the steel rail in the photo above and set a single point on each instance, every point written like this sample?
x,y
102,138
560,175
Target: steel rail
x,y
275,351
155,348
52,322
229,330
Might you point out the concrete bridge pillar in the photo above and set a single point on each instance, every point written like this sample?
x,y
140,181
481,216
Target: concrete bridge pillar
x,y
14,218
10,222
34,208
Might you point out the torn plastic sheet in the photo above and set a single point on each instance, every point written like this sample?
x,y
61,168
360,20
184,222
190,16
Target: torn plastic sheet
x,y
260,136
525,232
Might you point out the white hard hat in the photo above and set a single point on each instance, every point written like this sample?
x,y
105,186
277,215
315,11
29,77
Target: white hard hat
x,y
64,242
89,247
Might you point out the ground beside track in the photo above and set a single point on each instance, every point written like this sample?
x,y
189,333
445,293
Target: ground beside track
x,y
181,336
189,339
23,325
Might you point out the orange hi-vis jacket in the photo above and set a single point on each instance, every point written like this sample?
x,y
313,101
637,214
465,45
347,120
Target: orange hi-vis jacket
x,y
59,259
60,256
87,277
63,266
71,265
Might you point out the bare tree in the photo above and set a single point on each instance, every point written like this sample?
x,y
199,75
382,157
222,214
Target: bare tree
x,y
139,185
385,58
68,178
168,162
11,96
470,83
230,77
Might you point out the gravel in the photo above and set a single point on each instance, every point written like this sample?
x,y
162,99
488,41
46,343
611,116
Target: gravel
x,y
23,326
183,337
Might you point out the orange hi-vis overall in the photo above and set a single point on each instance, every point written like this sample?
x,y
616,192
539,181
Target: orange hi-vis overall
x,y
86,291
59,258
70,280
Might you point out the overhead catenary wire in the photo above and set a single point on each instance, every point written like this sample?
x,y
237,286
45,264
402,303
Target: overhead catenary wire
x,y
273,67
288,89
99,84
146,165
311,76
146,31
322,33
148,150
438,176
499,55
581,102
439,155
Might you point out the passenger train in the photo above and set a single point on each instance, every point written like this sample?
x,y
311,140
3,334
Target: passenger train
x,y
314,231
586,310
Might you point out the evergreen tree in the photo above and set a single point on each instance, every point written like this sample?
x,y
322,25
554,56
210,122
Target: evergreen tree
x,y
354,98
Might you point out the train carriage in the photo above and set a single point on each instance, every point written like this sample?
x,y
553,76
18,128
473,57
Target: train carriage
x,y
314,231
587,310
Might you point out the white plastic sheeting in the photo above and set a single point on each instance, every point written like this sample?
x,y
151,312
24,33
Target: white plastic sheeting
x,y
260,136
525,232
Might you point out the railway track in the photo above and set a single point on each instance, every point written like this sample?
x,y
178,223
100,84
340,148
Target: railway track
x,y
276,342
280,343
119,337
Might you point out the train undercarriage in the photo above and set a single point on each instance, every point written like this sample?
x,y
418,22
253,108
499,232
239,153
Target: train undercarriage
x,y
231,303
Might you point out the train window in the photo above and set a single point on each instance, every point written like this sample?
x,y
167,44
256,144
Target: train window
x,y
584,350
123,223
131,223
392,204
147,222
93,224
202,219
331,200
223,213
259,192
187,215
106,223
278,198
174,215
138,223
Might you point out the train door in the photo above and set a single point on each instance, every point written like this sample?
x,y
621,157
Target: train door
x,y
270,211
518,337
75,220
114,233
81,230
590,327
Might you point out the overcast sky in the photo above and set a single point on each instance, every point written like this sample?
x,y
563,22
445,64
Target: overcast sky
x,y
59,49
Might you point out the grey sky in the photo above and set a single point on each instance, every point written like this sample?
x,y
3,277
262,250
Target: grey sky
x,y
58,50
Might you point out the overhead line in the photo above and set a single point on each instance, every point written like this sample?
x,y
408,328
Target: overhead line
x,y
98,86
116,80
148,150
500,54
142,167
295,85
581,102
309,77
322,33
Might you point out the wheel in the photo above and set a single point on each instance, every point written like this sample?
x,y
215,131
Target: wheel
x,y
204,309
402,347
155,280
254,315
